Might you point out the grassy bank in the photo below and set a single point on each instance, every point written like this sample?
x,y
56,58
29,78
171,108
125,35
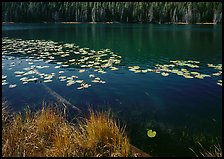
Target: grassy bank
x,y
48,133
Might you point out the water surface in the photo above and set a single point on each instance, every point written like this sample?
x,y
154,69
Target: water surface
x,y
181,110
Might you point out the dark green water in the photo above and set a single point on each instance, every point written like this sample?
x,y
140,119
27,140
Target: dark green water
x,y
181,111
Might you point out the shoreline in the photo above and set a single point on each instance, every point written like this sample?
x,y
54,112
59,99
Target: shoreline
x,y
176,23
183,23
65,22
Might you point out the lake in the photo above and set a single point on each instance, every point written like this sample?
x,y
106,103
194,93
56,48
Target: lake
x,y
162,77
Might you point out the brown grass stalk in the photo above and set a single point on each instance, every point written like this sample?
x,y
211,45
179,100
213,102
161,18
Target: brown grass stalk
x,y
48,133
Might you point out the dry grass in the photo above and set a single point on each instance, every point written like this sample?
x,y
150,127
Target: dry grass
x,y
100,136
47,133
6,116
214,151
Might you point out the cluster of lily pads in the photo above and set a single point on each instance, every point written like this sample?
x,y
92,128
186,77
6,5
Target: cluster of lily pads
x,y
63,55
181,68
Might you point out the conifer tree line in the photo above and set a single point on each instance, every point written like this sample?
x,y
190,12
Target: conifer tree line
x,y
126,12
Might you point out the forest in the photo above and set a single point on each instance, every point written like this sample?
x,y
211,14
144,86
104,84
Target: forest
x,y
124,12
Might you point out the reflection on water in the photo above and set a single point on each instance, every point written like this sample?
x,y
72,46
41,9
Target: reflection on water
x,y
181,110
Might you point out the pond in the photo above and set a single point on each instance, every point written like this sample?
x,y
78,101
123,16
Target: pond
x,y
167,78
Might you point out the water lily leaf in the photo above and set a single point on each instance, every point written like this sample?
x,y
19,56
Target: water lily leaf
x,y
57,66
47,81
83,70
216,74
4,77
151,133
4,83
79,81
219,83
91,75
137,71
187,76
65,65
95,81
12,85
165,74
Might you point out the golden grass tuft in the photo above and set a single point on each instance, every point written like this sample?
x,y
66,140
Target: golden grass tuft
x,y
5,113
214,151
99,135
47,133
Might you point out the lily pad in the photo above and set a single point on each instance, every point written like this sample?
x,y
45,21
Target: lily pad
x,y
57,66
151,133
219,83
4,77
165,74
12,85
91,75
4,83
144,71
47,81
216,74
79,81
83,70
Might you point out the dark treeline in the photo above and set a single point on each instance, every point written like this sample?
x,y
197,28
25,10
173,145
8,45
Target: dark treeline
x,y
128,12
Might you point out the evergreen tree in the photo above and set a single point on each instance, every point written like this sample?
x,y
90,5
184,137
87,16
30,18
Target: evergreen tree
x,y
126,12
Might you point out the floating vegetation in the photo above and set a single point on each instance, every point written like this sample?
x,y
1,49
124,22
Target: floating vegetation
x,y
217,73
62,77
151,133
65,65
114,68
19,72
186,63
91,75
71,82
187,76
79,81
57,66
217,67
83,70
48,77
47,81
195,73
144,71
60,72
74,76
3,77
137,71
165,74
219,82
4,83
102,81
12,85
84,85
31,79
95,81
69,56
